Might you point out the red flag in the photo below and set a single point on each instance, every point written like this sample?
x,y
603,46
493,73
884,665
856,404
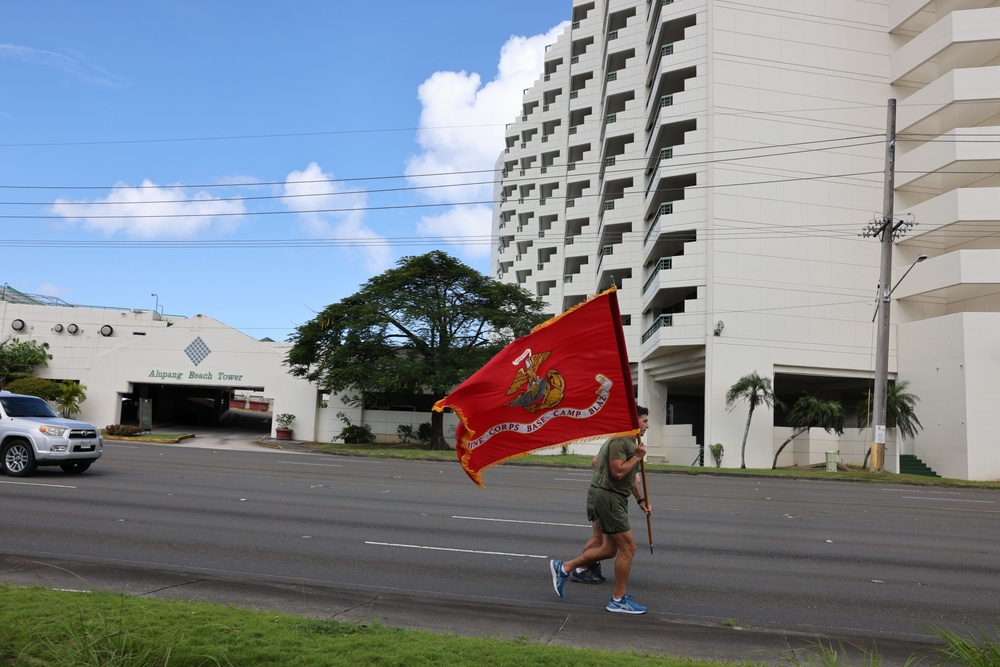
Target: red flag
x,y
569,379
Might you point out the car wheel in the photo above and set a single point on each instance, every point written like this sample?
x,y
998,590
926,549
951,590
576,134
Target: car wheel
x,y
18,459
75,467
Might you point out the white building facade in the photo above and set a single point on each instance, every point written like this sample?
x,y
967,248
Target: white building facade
x,y
717,161
183,370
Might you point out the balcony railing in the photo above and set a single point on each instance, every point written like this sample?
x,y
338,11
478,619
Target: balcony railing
x,y
666,208
661,321
664,264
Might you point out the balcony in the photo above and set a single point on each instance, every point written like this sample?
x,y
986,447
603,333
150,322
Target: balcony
x,y
661,321
964,38
663,264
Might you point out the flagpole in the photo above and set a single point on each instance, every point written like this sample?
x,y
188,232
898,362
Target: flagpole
x,y
645,494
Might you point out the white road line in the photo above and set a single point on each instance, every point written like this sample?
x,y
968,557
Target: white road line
x,y
322,465
948,500
54,486
464,551
569,479
537,523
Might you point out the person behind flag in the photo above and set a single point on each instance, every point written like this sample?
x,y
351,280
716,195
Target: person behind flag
x,y
607,507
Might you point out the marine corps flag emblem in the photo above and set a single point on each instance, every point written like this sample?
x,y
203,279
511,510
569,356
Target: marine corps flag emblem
x,y
567,380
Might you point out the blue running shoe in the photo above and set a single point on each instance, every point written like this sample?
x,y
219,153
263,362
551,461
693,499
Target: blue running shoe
x,y
625,606
558,576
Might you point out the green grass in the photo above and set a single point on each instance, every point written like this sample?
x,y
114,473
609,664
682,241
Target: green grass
x,y
45,628
48,628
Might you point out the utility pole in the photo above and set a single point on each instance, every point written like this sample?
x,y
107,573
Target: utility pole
x,y
876,462
888,229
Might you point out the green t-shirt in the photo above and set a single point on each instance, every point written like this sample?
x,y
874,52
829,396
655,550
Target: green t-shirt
x,y
620,449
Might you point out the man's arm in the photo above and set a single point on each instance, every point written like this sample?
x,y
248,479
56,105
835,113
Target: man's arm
x,y
620,469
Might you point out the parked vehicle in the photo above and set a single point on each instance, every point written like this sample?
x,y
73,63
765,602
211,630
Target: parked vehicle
x,y
32,434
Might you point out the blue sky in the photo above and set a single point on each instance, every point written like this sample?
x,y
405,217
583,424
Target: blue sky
x,y
250,161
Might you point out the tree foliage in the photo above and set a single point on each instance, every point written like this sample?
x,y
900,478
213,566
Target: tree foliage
x,y
19,359
755,390
900,410
811,412
71,394
421,327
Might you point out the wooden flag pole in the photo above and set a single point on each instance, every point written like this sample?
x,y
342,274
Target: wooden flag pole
x,y
645,494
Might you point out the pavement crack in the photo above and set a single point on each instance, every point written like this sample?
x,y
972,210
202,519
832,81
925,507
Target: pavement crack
x,y
558,630
177,585
365,603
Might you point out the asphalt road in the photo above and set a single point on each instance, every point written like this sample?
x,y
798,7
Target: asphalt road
x,y
782,558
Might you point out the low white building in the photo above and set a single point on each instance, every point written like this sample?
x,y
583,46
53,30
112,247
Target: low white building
x,y
142,367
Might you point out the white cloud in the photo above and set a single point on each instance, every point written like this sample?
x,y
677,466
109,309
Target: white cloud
x,y
328,209
462,130
72,63
467,227
151,211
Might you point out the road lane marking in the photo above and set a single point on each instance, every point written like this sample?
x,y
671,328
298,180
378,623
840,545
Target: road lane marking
x,y
537,523
948,500
54,486
303,463
570,479
464,551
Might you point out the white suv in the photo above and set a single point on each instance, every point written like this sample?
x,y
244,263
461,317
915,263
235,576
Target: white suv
x,y
32,434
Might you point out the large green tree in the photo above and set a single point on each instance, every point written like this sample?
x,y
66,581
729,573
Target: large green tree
x,y
421,327
19,359
811,412
755,390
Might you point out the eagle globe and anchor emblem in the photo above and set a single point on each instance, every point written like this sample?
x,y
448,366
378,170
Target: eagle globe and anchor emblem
x,y
536,392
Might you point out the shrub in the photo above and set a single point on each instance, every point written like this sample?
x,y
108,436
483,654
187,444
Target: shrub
x,y
424,433
405,433
124,430
40,387
353,434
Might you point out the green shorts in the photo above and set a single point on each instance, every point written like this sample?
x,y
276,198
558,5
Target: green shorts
x,y
608,509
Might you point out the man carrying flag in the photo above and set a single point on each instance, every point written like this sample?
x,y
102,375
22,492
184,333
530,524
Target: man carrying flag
x,y
567,381
607,507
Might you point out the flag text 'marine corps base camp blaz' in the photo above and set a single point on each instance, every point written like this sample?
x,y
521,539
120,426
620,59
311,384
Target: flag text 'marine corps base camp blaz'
x,y
568,380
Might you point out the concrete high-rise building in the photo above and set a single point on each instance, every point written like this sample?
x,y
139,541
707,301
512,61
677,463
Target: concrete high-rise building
x,y
717,161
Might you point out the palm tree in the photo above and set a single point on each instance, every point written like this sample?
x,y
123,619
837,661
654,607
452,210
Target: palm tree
x,y
755,390
71,394
809,412
900,411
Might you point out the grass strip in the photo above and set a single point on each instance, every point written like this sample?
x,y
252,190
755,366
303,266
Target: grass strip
x,y
48,628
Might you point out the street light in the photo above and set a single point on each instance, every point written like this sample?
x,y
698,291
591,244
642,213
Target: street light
x,y
882,359
156,308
